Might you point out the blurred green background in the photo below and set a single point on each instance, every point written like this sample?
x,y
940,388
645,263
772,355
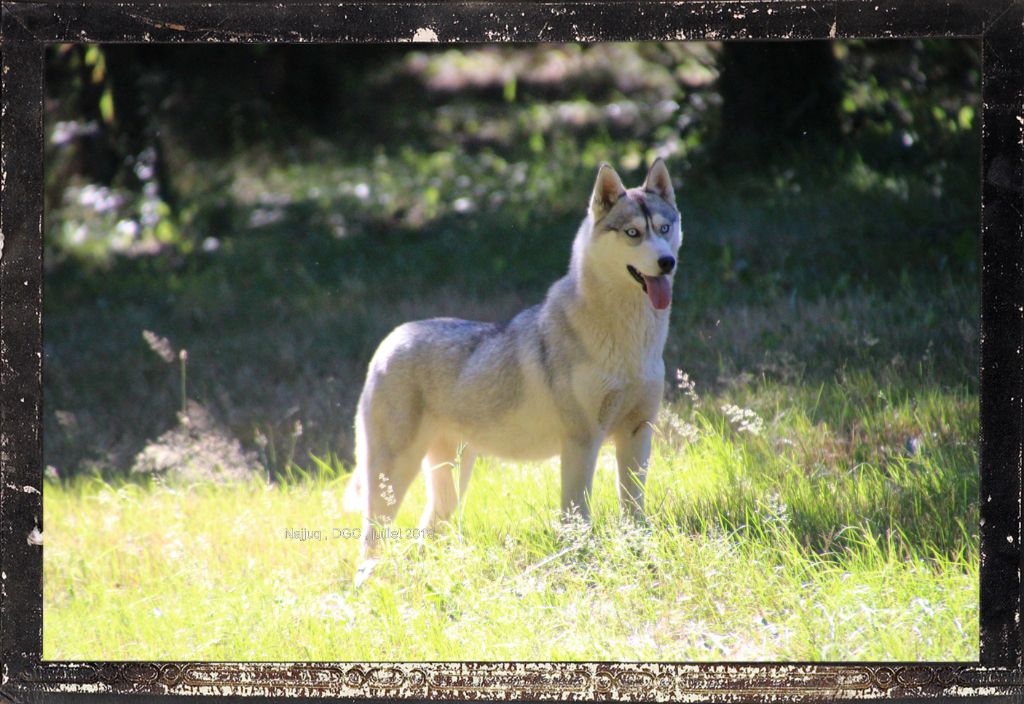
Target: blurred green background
x,y
274,210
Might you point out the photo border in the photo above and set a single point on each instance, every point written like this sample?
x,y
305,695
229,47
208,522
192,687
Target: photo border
x,y
25,29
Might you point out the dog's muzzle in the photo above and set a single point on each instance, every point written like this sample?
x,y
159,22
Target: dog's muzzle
x,y
636,275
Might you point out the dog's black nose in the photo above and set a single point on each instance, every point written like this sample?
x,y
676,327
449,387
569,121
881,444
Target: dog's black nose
x,y
667,264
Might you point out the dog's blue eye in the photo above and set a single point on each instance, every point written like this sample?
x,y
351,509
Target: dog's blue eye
x,y
664,229
633,232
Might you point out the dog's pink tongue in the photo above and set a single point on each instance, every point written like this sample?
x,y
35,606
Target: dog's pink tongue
x,y
659,290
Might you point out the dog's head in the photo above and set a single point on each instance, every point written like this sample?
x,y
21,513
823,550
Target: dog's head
x,y
636,233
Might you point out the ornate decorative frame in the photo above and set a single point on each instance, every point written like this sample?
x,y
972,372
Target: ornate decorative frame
x,y
26,27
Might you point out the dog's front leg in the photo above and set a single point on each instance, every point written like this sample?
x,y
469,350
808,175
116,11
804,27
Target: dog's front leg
x,y
579,457
633,452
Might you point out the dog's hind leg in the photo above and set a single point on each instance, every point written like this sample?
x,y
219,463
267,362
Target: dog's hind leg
x,y
443,460
392,435
388,479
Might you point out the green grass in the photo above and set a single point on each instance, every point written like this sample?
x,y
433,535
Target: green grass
x,y
804,541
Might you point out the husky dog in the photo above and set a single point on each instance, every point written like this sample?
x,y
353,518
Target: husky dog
x,y
559,378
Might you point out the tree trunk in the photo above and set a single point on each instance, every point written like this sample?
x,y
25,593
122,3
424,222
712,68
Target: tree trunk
x,y
778,96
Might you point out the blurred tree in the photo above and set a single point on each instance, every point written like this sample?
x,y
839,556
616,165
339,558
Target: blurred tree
x,y
76,85
137,132
106,96
775,94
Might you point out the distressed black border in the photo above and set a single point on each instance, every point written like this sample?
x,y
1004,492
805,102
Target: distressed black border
x,y
25,27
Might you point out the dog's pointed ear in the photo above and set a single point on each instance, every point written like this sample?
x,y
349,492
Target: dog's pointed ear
x,y
658,181
607,190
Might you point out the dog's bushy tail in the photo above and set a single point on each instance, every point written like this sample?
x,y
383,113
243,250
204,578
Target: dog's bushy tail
x,y
355,491
352,500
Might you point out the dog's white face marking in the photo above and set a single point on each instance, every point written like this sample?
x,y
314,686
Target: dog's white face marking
x,y
637,233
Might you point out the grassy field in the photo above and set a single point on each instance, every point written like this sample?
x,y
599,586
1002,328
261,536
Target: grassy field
x,y
767,540
814,490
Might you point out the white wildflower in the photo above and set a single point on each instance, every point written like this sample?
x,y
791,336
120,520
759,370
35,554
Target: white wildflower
x,y
688,386
387,492
745,419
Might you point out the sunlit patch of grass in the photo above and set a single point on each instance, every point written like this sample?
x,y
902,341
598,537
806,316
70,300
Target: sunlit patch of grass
x,y
779,544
